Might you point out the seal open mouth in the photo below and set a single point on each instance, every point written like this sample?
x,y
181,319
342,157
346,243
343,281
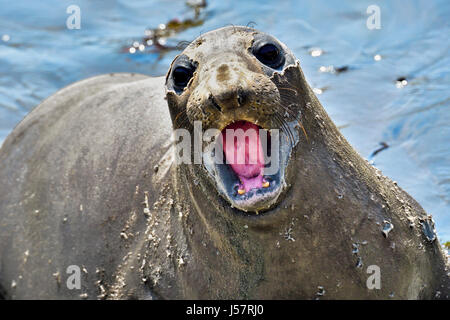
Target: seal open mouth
x,y
245,155
250,172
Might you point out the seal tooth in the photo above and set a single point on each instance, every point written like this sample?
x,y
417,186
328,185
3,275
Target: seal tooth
x,y
266,184
241,191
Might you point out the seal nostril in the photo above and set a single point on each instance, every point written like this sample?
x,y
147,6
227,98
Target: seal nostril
x,y
241,98
214,103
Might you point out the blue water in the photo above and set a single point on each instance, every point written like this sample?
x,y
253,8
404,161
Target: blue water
x,y
42,56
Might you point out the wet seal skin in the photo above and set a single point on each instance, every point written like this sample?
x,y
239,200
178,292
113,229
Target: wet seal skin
x,y
88,178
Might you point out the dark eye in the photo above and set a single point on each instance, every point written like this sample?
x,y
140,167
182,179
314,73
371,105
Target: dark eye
x,y
269,54
181,76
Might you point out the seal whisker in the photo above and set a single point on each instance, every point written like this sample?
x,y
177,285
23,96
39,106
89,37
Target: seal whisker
x,y
296,118
286,131
284,127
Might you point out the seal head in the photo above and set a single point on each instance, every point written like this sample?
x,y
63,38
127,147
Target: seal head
x,y
224,87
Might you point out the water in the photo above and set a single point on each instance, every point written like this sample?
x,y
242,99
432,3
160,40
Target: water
x,y
365,100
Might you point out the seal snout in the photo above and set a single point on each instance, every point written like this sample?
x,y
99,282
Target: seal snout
x,y
240,101
228,88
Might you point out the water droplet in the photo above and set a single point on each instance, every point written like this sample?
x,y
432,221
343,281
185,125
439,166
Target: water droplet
x,y
355,249
315,52
6,37
359,263
132,50
401,82
411,222
428,229
317,90
387,227
149,32
320,291
377,57
327,69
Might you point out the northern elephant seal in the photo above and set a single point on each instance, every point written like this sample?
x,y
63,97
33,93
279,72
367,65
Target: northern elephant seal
x,y
89,182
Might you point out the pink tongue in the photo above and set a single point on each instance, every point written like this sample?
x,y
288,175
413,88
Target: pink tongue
x,y
244,155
